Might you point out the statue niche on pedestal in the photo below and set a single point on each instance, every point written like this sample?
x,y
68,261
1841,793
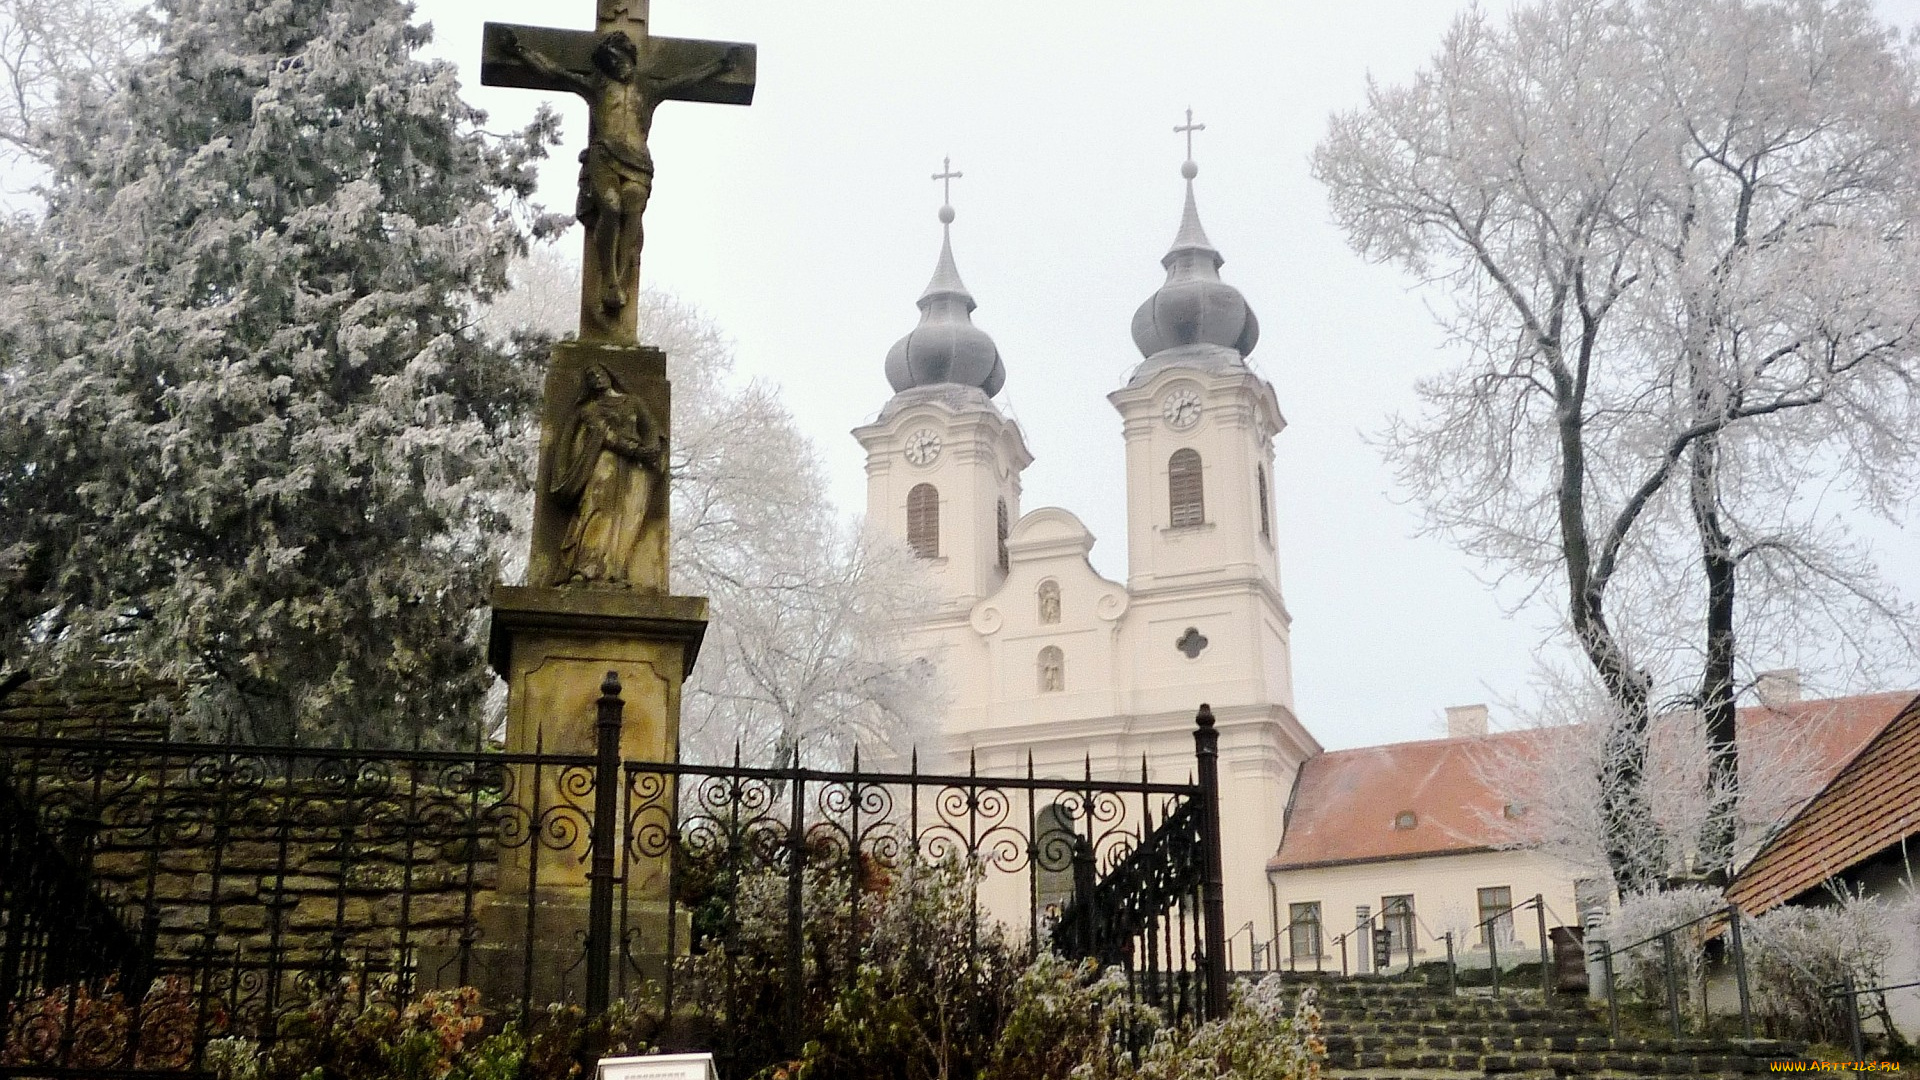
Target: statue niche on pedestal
x,y
606,473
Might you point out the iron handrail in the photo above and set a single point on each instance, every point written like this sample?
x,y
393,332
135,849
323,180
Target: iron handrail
x,y
1655,936
1841,989
1536,898
1856,1036
1735,943
1286,934
1538,902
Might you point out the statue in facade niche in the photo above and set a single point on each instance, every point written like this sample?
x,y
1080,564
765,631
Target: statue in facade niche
x,y
1049,602
1053,675
606,468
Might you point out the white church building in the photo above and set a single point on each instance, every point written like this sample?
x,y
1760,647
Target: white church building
x,y
1043,656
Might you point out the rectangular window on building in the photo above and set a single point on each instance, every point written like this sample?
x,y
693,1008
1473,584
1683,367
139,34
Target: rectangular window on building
x,y
1303,930
1496,902
1397,913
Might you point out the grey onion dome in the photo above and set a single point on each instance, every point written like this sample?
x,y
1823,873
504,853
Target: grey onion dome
x,y
946,347
1194,307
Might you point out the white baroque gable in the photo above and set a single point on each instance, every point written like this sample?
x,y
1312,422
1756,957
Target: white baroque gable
x,y
1050,578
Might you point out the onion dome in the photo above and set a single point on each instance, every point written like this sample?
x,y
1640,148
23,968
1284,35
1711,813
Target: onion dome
x,y
946,348
1194,307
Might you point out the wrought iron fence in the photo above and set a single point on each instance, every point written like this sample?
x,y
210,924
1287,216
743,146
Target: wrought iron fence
x,y
57,930
727,903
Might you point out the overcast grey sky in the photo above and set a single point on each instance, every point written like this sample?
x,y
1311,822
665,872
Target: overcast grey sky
x,y
806,226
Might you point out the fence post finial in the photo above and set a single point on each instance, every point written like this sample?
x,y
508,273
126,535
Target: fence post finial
x,y
1206,752
604,842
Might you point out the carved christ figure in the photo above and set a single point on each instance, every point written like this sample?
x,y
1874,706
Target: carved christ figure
x,y
616,169
607,469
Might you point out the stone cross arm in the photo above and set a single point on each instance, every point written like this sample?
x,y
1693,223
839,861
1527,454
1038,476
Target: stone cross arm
x,y
573,50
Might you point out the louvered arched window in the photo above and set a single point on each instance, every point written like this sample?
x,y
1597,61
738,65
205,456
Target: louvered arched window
x,y
1266,521
1000,531
923,521
1184,492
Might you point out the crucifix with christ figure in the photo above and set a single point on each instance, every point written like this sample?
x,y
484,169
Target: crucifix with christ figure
x,y
624,74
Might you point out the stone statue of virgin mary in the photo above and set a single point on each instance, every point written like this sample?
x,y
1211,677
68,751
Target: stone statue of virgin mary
x,y
607,469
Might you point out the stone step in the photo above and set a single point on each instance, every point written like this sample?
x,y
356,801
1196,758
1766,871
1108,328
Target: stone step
x,y
1467,1016
1447,1015
1377,1029
1442,1038
1528,1074
1556,1061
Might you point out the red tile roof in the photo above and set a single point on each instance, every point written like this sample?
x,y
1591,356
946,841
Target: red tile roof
x,y
1344,802
1871,804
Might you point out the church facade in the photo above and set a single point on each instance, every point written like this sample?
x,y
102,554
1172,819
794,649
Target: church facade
x,y
1044,658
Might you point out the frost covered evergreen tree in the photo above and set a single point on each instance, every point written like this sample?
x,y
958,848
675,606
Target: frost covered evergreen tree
x,y
249,438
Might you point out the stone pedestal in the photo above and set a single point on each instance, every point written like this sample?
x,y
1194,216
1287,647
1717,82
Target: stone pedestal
x,y
554,967
554,647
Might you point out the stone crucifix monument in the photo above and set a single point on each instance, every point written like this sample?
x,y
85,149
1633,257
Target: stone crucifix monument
x,y
595,598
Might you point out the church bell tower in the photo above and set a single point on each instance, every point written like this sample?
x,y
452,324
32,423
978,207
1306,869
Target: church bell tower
x,y
1199,427
943,462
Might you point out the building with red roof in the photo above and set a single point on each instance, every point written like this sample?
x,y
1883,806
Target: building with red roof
x,y
1422,833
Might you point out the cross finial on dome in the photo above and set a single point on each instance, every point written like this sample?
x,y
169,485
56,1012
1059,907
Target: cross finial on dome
x,y
1194,307
1187,168
946,176
946,348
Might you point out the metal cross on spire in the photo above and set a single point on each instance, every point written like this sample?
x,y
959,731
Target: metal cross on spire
x,y
947,176
1188,129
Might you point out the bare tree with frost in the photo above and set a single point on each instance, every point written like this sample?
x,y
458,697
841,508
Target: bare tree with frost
x,y
51,48
1548,781
1674,241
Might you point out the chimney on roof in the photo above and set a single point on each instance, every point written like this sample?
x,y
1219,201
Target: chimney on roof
x,y
1780,687
1466,721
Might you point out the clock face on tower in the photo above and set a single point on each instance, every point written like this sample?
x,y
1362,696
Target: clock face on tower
x,y
923,446
1181,409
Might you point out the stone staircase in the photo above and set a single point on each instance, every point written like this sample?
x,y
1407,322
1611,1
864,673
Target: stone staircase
x,y
1393,1029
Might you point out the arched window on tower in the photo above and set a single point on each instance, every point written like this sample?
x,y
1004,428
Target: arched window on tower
x,y
1053,670
1184,492
923,521
1266,520
1000,531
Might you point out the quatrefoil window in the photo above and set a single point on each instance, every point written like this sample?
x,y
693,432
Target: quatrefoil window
x,y
1191,642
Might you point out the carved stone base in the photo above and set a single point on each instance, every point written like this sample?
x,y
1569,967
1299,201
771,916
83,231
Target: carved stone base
x,y
554,647
506,969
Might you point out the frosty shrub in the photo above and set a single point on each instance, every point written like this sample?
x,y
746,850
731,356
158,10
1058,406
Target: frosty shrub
x,y
734,988
1795,953
1641,969
1261,1039
934,989
1069,1020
